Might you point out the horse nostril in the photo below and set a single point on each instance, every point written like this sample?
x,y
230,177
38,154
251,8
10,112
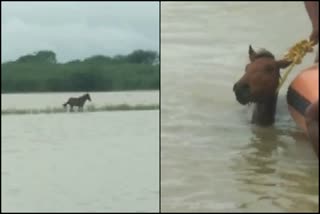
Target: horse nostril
x,y
245,87
241,87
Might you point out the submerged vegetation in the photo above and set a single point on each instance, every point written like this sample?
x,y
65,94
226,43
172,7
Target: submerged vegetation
x,y
40,72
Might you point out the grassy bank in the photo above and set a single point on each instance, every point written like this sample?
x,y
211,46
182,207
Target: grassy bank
x,y
90,108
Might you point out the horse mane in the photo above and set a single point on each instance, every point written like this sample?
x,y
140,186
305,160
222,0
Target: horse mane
x,y
264,53
85,95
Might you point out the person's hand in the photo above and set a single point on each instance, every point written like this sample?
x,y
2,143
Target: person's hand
x,y
312,122
314,37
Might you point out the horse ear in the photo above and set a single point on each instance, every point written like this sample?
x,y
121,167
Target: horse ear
x,y
252,53
283,63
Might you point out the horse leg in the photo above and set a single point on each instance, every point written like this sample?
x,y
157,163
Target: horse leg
x,y
71,108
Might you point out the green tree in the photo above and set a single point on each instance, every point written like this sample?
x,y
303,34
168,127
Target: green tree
x,y
141,56
41,72
39,57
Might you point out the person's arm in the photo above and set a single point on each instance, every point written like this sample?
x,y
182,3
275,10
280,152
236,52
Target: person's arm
x,y
312,8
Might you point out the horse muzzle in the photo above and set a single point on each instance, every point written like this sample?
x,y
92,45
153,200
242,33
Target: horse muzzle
x,y
242,92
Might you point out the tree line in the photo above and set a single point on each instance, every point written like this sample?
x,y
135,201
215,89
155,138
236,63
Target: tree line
x,y
40,72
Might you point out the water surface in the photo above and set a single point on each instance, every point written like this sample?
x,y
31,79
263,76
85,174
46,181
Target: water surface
x,y
212,158
88,161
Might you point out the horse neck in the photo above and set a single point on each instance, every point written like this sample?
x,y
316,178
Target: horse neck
x,y
83,98
264,113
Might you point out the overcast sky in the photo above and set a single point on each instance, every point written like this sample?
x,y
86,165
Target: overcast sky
x,y
76,30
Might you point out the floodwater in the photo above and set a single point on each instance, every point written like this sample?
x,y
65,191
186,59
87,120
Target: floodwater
x,y
212,158
80,162
98,99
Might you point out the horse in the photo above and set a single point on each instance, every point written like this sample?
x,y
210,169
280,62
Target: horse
x,y
77,101
259,85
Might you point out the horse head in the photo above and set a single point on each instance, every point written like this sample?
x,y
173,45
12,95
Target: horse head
x,y
88,96
261,77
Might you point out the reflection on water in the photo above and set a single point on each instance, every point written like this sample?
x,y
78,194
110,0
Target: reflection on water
x,y
213,159
260,171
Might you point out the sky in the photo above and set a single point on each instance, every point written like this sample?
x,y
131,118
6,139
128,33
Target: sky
x,y
77,30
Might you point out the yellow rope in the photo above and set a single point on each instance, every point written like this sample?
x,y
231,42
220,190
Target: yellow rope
x,y
295,55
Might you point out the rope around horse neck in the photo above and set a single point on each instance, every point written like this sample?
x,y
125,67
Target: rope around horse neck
x,y
295,55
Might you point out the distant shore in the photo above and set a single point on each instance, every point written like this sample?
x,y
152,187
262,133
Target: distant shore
x,y
89,108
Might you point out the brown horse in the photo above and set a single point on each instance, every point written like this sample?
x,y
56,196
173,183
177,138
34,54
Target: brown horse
x,y
77,101
259,85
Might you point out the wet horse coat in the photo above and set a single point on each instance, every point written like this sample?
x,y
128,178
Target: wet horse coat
x,y
259,84
77,101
